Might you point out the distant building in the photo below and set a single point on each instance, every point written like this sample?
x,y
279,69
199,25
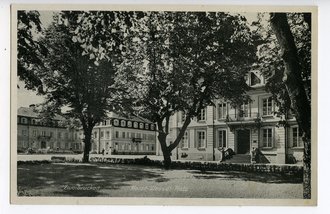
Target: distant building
x,y
37,136
125,136
252,125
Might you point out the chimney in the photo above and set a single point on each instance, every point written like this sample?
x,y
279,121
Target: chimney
x,y
32,106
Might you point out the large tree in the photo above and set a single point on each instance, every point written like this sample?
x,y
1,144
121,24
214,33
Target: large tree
x,y
285,59
295,88
75,75
183,61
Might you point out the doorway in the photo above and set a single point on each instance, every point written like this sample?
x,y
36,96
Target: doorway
x,y
43,145
243,141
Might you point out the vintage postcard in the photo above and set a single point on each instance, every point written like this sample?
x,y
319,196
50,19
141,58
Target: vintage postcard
x,y
164,105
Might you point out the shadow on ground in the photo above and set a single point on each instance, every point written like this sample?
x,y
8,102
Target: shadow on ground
x,y
246,176
79,179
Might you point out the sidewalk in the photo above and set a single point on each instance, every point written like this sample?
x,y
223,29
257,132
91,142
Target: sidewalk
x,y
23,157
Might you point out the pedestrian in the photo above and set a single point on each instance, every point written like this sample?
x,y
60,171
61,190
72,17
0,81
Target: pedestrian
x,y
102,151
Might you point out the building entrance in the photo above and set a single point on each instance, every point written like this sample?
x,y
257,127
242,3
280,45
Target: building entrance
x,y
243,141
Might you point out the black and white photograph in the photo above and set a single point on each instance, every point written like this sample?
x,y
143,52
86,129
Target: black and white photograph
x,y
163,105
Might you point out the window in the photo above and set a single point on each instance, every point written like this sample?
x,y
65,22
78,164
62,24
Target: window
x,y
24,120
144,136
66,136
244,110
138,135
296,137
133,135
51,134
147,147
255,79
24,132
129,147
102,135
136,125
141,147
128,135
152,147
201,139
108,134
43,133
123,134
117,134
222,138
267,137
222,110
34,132
183,116
59,135
184,140
123,123
95,135
202,115
267,106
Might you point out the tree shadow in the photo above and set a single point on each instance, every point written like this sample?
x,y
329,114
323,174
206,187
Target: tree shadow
x,y
247,176
81,179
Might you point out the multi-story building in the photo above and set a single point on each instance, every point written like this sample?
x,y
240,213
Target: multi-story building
x,y
252,125
120,135
34,134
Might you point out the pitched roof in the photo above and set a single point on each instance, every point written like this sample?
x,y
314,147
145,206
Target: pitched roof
x,y
133,118
30,112
26,112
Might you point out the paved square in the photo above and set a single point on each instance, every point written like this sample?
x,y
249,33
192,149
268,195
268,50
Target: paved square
x,y
118,180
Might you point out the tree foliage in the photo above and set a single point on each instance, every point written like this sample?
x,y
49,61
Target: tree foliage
x,y
270,62
29,50
183,61
72,77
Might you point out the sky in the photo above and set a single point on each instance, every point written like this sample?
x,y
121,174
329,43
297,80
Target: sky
x,y
28,97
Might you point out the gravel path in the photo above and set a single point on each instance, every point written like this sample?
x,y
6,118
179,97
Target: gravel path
x,y
108,180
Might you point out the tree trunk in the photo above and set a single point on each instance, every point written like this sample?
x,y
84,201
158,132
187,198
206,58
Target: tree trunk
x,y
165,150
295,88
307,169
87,147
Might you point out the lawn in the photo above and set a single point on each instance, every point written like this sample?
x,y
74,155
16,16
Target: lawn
x,y
118,180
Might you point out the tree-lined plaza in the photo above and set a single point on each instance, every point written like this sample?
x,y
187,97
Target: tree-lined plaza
x,y
155,64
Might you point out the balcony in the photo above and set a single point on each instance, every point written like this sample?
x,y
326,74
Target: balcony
x,y
240,120
241,116
44,137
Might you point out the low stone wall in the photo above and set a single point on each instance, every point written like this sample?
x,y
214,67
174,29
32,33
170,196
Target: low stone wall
x,y
288,170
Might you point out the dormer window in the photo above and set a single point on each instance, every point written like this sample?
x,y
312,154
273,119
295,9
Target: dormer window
x,y
255,78
23,120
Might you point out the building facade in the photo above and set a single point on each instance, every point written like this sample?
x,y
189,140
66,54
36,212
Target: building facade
x,y
34,135
252,125
124,136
